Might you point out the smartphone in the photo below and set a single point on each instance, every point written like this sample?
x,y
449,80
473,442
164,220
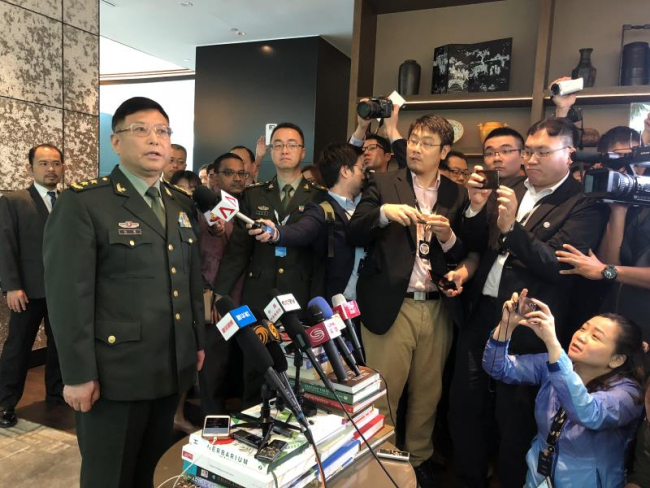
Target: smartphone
x,y
525,305
394,454
268,130
216,426
443,282
271,451
247,438
491,179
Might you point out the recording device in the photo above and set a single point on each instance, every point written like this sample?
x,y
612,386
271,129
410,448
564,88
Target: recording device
x,y
639,155
271,451
322,334
347,311
393,454
328,314
490,178
444,283
216,427
525,305
566,87
235,322
247,438
375,108
224,206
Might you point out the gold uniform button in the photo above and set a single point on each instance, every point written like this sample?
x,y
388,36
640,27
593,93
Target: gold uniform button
x,y
132,243
173,270
190,240
177,316
250,275
170,247
281,270
175,293
111,339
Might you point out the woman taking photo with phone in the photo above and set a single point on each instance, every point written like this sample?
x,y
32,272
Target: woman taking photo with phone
x,y
589,402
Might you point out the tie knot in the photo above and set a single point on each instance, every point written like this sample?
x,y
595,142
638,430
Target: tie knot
x,y
51,194
153,192
287,188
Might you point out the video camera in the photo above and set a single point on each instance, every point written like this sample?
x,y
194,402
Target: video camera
x,y
375,108
612,185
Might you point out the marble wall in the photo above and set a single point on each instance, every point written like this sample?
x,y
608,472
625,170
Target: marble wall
x,y
49,90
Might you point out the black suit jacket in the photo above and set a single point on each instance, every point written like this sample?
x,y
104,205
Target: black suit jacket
x,y
386,271
22,220
312,229
564,217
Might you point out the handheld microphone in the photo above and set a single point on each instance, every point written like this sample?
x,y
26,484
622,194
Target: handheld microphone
x,y
224,206
235,322
322,334
347,311
284,307
329,316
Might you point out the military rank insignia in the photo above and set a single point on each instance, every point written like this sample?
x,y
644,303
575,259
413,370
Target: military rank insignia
x,y
183,220
129,228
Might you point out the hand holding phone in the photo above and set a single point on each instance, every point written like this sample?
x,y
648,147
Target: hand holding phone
x,y
490,178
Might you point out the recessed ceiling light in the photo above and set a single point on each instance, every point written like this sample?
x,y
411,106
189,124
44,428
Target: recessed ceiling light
x,y
241,33
267,49
186,4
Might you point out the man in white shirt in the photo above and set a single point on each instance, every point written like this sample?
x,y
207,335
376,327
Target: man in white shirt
x,y
22,219
532,219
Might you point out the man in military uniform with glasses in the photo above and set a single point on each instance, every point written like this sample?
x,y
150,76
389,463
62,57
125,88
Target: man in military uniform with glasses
x,y
123,285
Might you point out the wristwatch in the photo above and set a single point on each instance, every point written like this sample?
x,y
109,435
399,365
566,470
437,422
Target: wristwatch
x,y
609,273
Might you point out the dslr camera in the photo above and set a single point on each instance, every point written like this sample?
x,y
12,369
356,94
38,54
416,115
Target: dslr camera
x,y
613,186
375,108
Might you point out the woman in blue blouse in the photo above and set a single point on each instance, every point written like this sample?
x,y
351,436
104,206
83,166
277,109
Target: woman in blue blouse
x,y
592,396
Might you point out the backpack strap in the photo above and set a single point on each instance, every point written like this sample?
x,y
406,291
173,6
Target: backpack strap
x,y
330,218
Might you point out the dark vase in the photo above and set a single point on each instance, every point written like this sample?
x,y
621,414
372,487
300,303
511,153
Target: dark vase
x,y
409,78
585,69
635,69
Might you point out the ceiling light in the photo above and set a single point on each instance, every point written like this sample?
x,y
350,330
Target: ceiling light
x,y
186,4
241,33
266,48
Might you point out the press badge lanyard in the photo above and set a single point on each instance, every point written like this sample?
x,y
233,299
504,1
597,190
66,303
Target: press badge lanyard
x,y
281,251
546,457
427,234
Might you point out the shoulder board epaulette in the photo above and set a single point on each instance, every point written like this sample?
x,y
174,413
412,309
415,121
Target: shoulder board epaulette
x,y
316,185
256,185
180,189
87,185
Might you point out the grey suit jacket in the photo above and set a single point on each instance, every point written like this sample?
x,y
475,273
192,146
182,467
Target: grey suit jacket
x,y
22,220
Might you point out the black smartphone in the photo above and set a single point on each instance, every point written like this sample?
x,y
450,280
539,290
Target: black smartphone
x,y
247,438
491,179
525,305
442,282
271,451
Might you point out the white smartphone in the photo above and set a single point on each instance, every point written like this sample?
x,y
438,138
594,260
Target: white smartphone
x,y
269,131
216,426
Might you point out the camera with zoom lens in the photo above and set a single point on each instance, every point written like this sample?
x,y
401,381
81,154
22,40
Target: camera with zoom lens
x,y
612,185
375,108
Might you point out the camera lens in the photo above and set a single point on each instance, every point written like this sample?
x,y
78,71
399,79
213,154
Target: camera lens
x,y
368,110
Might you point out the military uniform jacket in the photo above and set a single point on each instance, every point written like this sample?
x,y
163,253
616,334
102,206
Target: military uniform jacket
x,y
298,272
22,219
124,294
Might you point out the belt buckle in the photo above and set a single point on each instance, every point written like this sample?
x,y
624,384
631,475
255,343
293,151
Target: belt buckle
x,y
419,295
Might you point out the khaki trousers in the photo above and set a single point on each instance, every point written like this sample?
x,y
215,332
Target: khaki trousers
x,y
415,350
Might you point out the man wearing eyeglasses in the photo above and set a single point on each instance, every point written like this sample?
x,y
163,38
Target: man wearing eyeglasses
x,y
289,269
123,286
376,153
455,167
532,221
23,215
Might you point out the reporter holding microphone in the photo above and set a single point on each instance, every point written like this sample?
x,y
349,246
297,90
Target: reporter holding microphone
x,y
590,398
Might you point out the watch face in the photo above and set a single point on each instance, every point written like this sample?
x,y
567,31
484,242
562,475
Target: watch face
x,y
609,273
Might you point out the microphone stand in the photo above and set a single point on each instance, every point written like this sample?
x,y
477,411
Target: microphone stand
x,y
307,407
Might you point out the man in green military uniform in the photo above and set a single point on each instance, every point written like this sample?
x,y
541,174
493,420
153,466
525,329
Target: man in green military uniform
x,y
124,288
282,200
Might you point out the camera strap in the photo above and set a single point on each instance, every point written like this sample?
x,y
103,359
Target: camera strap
x,y
547,456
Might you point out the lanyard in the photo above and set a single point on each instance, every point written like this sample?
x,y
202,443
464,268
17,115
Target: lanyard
x,y
277,218
546,457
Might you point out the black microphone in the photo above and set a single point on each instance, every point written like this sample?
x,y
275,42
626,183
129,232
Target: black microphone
x,y
267,337
328,314
347,311
284,307
255,352
323,334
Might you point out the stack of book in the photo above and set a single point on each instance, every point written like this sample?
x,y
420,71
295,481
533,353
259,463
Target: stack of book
x,y
233,464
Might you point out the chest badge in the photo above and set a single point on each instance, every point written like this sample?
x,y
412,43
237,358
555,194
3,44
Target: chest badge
x,y
301,208
129,225
184,220
546,225
263,208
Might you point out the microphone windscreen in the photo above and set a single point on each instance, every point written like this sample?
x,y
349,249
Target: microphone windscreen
x,y
338,300
278,357
255,354
205,198
322,304
225,305
315,314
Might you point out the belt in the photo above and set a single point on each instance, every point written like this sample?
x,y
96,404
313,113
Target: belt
x,y
423,295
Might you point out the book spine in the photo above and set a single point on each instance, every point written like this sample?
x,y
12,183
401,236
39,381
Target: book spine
x,y
324,392
328,402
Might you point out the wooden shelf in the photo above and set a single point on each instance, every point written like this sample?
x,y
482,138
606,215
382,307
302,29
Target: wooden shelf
x,y
609,95
468,100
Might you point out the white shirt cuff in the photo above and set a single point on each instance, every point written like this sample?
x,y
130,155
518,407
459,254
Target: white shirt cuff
x,y
383,220
449,244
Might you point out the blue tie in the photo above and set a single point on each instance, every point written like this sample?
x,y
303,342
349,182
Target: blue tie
x,y
52,195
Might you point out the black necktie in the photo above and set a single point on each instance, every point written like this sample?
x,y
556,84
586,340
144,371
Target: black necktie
x,y
52,195
288,190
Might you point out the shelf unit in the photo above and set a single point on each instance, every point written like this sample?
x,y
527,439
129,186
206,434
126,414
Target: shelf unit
x,y
364,41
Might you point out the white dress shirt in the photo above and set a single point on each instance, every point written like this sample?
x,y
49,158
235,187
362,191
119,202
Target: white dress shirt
x,y
42,191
